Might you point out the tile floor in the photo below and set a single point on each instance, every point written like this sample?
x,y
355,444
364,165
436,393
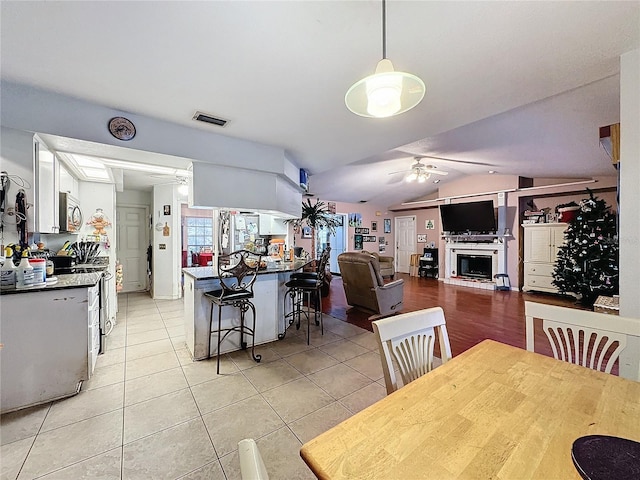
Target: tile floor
x,y
150,412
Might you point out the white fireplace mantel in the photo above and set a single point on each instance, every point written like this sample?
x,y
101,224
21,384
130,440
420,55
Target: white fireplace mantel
x,y
497,250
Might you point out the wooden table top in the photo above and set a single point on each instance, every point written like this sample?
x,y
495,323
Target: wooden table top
x,y
495,411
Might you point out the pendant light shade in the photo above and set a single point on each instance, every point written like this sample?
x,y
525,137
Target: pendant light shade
x,y
386,92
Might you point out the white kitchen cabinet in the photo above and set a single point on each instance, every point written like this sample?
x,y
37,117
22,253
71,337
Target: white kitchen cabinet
x,y
47,178
68,183
270,225
541,245
48,348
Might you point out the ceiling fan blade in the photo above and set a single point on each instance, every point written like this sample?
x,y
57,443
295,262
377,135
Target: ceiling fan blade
x,y
436,172
399,171
468,162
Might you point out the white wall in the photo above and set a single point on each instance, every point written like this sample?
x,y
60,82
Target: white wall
x,y
629,182
134,197
93,195
36,110
166,269
16,158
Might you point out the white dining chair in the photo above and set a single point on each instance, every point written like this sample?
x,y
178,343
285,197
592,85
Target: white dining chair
x,y
409,339
590,339
251,464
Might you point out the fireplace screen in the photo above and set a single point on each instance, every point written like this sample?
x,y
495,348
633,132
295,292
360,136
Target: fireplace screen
x,y
474,266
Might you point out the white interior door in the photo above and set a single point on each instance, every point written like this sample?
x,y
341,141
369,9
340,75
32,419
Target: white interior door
x,y
132,242
405,242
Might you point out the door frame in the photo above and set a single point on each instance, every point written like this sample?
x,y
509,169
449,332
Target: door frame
x,y
146,229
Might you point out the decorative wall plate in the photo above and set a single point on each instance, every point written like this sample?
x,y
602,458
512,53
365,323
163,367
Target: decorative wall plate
x,y
122,128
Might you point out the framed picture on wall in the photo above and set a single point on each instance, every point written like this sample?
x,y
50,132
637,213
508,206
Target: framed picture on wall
x,y
422,238
306,232
387,225
357,242
374,226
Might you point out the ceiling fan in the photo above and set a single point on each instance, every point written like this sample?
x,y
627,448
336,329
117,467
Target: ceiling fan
x,y
180,180
172,179
466,162
420,172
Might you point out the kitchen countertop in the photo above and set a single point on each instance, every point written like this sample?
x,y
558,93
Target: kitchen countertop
x,y
204,273
67,280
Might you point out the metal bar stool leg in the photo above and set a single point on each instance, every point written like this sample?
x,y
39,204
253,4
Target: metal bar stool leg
x,y
243,308
258,357
219,339
321,319
308,292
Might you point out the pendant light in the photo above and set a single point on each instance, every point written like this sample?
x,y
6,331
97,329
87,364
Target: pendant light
x,y
386,92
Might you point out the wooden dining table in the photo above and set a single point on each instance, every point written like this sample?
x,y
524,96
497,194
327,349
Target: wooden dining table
x,y
495,411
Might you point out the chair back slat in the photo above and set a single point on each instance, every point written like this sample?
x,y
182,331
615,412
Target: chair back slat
x,y
592,340
408,340
413,354
322,264
584,346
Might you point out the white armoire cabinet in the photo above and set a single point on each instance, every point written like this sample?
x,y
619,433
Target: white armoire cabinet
x,y
541,244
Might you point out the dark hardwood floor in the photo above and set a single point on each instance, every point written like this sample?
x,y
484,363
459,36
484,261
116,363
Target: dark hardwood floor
x,y
472,315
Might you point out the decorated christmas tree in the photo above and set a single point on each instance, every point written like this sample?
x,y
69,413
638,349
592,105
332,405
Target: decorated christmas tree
x,y
587,263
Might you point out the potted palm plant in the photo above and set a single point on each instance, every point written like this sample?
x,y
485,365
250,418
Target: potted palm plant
x,y
314,216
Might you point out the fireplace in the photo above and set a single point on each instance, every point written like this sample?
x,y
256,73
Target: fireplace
x,y
475,266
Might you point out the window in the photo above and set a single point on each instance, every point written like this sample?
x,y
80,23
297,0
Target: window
x,y
199,235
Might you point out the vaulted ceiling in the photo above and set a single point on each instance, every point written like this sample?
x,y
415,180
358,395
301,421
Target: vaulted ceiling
x,y
515,87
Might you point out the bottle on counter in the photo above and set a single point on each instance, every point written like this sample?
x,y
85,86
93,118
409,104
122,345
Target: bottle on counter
x,y
50,268
8,271
24,273
39,266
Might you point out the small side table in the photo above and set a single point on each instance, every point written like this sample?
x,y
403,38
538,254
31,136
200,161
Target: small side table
x,y
429,263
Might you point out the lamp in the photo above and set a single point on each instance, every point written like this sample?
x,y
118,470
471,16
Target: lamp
x,y
386,92
421,177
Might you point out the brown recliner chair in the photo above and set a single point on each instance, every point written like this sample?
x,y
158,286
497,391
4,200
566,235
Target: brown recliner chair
x,y
387,267
365,288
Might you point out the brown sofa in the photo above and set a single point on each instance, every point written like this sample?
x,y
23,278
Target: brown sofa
x,y
387,267
365,288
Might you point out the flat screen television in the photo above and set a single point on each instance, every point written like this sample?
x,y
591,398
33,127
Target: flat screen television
x,y
472,217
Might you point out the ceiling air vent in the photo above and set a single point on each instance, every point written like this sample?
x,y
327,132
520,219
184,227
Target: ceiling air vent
x,y
203,117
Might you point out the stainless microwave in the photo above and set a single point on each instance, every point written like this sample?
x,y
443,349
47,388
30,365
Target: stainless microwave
x,y
70,214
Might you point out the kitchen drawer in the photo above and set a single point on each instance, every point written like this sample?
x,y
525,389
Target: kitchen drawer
x,y
543,269
539,281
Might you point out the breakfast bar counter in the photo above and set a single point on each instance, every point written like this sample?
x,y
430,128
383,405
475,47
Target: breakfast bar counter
x,y
269,292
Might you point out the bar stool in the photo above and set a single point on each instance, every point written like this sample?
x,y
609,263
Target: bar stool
x,y
306,285
237,273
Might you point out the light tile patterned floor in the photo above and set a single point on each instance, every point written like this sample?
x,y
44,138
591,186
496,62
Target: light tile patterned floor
x,y
150,412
